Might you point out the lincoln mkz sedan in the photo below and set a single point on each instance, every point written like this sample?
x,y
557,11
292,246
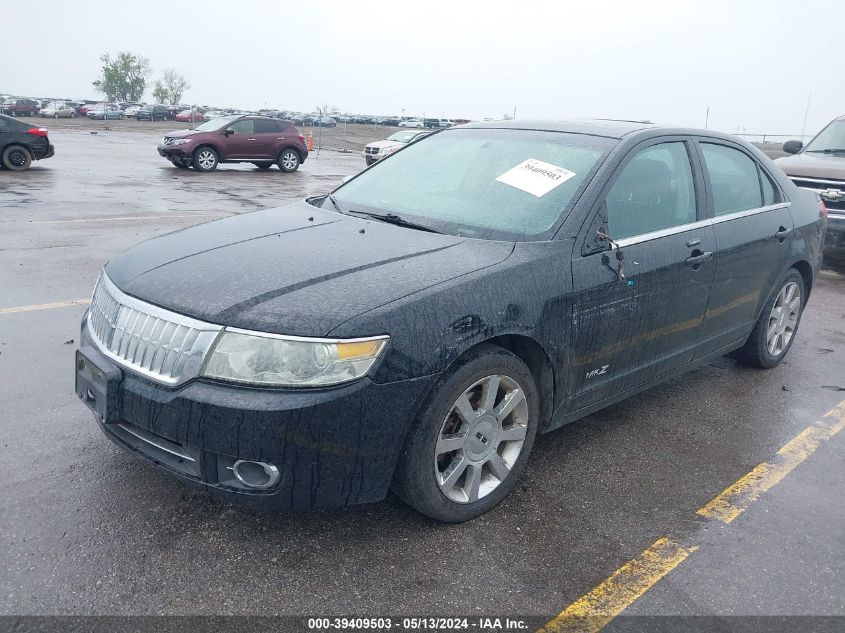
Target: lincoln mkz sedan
x,y
421,325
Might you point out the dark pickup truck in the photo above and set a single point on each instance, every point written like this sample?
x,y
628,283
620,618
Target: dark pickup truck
x,y
19,107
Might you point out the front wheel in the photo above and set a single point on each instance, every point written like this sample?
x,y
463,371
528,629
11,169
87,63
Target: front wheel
x,y
288,161
472,438
16,158
205,159
775,330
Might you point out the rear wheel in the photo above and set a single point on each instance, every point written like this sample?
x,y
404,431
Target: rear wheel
x,y
16,158
471,439
205,159
288,161
775,330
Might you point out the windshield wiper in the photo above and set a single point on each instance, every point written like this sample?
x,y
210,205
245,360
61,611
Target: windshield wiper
x,y
333,200
392,218
828,151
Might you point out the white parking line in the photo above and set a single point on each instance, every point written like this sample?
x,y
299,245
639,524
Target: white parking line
x,y
130,217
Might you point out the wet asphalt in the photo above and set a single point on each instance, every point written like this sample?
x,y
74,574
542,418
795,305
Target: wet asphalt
x,y
88,529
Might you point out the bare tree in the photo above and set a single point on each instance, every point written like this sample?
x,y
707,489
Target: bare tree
x,y
174,84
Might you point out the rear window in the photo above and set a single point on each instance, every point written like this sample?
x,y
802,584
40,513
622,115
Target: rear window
x,y
266,126
734,178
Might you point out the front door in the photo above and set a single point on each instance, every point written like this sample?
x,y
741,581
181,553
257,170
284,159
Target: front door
x,y
638,307
753,236
240,143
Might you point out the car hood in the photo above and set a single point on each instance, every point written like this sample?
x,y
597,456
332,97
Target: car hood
x,y
295,270
384,144
182,133
825,166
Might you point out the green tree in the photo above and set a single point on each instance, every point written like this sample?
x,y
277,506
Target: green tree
x,y
160,93
175,84
123,78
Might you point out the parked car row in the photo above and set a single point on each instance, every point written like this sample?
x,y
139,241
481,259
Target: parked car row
x,y
374,152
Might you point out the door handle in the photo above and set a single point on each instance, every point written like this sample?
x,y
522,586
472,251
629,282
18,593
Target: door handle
x,y
250,139
698,258
782,233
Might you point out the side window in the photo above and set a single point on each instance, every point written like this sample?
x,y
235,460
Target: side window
x,y
654,191
265,126
244,126
770,194
734,179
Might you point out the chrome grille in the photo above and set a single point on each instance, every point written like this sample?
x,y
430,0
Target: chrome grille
x,y
162,345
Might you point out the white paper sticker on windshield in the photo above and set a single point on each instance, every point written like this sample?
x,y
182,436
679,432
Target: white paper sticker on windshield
x,y
536,177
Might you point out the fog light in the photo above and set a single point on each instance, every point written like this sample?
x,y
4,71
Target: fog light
x,y
259,475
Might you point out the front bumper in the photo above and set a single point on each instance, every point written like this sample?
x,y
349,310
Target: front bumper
x,y
834,240
332,447
176,152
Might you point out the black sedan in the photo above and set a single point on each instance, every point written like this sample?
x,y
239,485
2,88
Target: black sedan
x,y
21,143
420,326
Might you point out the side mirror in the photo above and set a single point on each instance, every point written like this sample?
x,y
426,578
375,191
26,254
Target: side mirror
x,y
793,147
228,131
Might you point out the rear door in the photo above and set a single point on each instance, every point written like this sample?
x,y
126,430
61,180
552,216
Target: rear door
x,y
753,226
266,133
637,318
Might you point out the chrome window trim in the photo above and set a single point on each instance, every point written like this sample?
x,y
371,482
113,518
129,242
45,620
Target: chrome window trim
x,y
691,226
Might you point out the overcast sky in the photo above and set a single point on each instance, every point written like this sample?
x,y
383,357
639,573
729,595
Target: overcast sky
x,y
754,63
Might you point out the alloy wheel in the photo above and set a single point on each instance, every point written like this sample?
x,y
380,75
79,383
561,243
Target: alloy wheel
x,y
206,159
481,438
783,319
289,160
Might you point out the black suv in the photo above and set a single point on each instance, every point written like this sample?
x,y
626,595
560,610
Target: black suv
x,y
153,112
21,143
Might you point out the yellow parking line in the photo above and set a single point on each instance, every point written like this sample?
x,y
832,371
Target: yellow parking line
x,y
45,306
738,496
594,610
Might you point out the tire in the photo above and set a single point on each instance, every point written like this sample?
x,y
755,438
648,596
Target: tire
x,y
73,115
266,165
288,160
16,158
458,484
205,159
764,348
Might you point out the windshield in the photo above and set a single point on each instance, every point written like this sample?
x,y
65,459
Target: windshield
x,y
402,137
479,182
216,124
830,139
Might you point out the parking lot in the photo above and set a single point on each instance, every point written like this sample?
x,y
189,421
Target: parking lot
x,y
89,529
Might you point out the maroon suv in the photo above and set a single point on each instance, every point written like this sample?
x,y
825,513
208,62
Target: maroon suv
x,y
260,140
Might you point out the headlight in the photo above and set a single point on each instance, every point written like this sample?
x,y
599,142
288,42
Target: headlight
x,y
388,150
181,141
268,359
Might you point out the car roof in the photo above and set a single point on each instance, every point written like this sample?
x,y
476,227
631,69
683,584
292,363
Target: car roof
x,y
609,128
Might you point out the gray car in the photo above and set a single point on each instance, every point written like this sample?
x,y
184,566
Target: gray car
x,y
820,167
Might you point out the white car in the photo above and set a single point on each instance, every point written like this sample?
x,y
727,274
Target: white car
x,y
412,123
378,150
58,109
132,110
213,114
